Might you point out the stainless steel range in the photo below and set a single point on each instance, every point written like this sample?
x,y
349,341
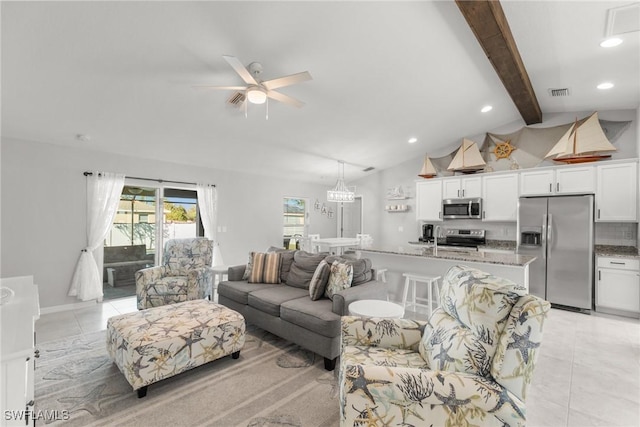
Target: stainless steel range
x,y
462,239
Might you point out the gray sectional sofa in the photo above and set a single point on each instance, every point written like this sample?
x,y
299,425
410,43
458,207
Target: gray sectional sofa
x,y
287,310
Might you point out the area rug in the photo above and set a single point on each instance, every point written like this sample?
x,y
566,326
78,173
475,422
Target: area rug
x,y
273,383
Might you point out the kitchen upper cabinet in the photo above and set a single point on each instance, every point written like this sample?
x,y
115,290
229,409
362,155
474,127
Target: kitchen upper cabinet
x,y
459,188
500,197
429,200
617,192
564,180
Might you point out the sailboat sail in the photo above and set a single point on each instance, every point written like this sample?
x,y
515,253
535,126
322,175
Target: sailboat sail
x,y
428,170
582,142
468,158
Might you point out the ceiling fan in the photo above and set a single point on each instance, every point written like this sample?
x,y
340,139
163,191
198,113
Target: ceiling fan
x,y
257,91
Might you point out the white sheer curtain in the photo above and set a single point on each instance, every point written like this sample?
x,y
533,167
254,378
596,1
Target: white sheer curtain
x,y
103,196
208,204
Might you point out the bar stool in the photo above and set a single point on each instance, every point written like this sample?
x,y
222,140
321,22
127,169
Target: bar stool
x,y
411,280
381,275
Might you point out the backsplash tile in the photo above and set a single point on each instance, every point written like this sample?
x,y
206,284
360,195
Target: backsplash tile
x,y
618,234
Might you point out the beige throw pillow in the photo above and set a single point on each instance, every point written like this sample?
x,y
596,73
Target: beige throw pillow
x,y
339,279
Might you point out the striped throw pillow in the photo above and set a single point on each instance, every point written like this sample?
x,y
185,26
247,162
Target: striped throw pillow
x,y
319,281
265,267
271,269
257,267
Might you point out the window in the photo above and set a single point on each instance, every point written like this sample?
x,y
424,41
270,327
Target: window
x,y
147,216
295,210
135,220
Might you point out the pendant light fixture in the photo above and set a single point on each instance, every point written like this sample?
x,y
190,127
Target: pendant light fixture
x,y
341,193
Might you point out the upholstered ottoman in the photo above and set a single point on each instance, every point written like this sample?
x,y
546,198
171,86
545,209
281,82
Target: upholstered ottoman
x,y
157,343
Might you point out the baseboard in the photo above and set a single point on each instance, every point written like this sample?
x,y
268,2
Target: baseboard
x,y
67,307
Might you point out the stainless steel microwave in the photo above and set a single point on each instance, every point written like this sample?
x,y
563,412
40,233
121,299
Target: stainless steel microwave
x,y
462,208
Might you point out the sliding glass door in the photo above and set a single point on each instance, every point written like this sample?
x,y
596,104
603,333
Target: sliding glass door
x,y
147,216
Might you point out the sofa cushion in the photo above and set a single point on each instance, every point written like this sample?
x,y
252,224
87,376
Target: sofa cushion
x,y
302,269
269,300
266,268
319,281
315,316
361,268
239,291
339,279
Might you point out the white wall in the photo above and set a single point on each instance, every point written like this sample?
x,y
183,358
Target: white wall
x,y
396,229
43,225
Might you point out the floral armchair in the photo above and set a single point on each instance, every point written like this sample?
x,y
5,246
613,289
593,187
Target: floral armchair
x,y
470,365
184,275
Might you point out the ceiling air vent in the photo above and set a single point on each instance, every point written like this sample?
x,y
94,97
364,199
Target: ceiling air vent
x,y
559,92
236,99
624,19
370,168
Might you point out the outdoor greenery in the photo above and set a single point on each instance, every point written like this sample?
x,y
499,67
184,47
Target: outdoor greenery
x,y
179,213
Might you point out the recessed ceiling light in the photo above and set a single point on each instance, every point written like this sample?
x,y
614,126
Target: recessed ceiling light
x,y
605,85
413,140
611,42
486,108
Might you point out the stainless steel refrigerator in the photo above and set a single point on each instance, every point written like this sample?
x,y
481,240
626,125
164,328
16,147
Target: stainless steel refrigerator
x,y
559,232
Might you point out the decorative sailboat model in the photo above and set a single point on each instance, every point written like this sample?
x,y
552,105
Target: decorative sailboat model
x,y
582,143
428,170
468,158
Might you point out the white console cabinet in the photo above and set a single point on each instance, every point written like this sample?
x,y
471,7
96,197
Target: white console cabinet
x,y
18,353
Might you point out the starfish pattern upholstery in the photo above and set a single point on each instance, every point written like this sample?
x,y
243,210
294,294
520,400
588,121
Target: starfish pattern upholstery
x,y
156,343
185,274
469,365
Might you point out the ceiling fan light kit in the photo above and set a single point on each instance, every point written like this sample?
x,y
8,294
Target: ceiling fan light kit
x,y
256,96
256,91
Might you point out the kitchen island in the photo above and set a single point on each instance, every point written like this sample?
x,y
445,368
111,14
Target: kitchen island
x,y
428,261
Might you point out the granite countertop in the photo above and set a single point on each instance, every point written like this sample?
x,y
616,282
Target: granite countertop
x,y
471,256
617,251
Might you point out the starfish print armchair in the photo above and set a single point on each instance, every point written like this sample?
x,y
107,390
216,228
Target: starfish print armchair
x,y
185,274
469,365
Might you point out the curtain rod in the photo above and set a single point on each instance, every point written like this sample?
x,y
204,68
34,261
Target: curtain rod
x,y
153,179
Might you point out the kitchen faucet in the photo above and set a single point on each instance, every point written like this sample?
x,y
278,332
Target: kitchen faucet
x,y
436,234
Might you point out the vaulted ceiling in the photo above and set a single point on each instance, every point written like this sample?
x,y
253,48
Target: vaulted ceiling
x,y
122,73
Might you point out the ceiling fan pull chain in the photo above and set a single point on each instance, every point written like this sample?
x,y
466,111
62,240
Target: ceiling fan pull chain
x,y
246,102
266,117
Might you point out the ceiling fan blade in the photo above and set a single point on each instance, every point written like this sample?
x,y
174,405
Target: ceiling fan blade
x,y
240,69
220,87
287,80
284,98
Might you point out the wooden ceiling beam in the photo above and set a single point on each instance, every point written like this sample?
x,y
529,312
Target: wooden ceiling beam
x,y
489,24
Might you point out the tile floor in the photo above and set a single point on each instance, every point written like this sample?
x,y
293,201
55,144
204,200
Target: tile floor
x,y
588,372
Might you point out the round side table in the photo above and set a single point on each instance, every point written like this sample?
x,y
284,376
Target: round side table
x,y
376,308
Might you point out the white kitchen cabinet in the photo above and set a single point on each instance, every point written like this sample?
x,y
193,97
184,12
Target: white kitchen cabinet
x,y
617,192
461,188
562,180
18,353
429,200
500,197
618,285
